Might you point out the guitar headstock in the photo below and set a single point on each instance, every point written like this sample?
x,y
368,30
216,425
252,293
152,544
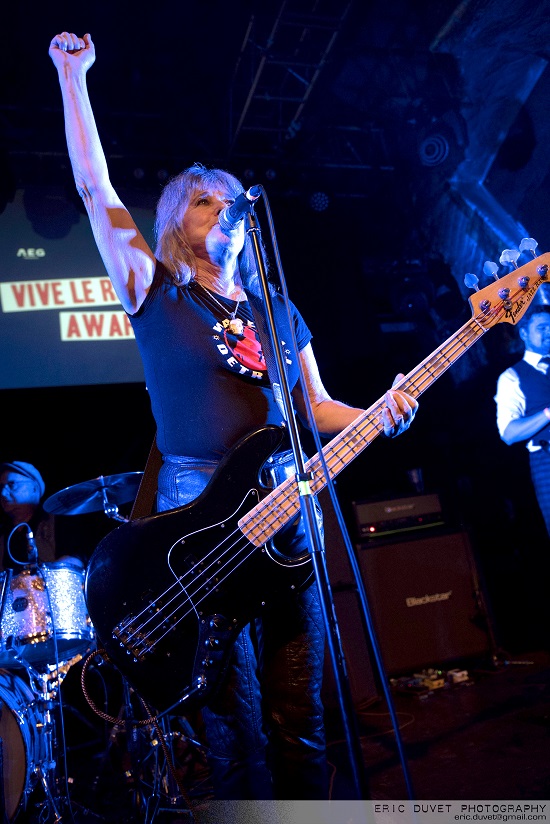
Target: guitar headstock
x,y
509,297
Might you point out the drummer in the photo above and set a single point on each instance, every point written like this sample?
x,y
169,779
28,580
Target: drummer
x,y
21,494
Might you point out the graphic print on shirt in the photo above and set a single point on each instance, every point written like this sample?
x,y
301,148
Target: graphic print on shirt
x,y
243,353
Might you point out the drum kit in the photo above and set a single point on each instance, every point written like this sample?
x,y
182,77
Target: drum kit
x,y
44,630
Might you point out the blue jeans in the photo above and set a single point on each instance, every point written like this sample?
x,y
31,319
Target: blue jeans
x,y
264,726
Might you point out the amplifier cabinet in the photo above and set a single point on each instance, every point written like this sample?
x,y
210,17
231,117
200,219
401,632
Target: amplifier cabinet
x,y
424,599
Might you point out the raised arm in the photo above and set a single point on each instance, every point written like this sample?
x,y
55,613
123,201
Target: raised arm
x,y
128,259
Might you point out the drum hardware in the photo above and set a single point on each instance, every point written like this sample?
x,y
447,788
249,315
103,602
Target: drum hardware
x,y
149,763
44,631
30,718
55,675
46,770
166,795
107,493
26,730
49,704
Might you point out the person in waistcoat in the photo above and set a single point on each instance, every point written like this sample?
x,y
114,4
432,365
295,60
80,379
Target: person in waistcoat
x,y
523,402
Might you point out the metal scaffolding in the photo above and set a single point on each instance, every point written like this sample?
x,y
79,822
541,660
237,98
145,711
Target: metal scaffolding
x,y
280,61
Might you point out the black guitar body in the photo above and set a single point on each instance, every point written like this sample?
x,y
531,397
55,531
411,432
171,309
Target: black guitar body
x,y
167,594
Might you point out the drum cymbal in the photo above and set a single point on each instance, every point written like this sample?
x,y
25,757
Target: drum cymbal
x,y
94,495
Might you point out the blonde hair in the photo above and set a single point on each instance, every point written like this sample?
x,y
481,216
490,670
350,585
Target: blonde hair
x,y
172,247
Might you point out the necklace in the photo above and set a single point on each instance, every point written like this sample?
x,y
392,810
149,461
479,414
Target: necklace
x,y
232,323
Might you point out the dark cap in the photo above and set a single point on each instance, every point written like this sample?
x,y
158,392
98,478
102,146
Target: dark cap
x,y
26,469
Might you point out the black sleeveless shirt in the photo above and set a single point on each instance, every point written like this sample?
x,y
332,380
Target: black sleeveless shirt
x,y
208,386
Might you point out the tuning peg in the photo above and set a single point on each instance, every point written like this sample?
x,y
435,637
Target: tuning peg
x,y
509,256
491,268
471,281
528,244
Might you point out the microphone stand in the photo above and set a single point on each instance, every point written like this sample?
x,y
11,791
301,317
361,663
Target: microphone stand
x,y
315,544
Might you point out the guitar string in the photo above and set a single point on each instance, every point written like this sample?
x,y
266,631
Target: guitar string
x,y
153,641
197,603
432,363
178,584
217,581
431,359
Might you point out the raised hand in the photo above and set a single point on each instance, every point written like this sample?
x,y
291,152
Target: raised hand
x,y
66,49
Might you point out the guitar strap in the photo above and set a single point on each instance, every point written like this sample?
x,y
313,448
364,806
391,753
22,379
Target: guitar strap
x,y
144,503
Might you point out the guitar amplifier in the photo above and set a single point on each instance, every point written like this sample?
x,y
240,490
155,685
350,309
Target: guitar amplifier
x,y
425,598
377,519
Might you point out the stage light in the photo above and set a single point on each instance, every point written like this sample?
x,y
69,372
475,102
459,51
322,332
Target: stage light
x,y
434,150
319,201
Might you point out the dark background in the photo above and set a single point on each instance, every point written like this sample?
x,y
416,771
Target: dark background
x,y
422,124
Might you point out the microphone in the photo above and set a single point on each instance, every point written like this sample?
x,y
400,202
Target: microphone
x,y
32,549
230,217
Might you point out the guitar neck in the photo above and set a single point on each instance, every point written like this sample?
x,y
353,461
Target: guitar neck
x,y
262,522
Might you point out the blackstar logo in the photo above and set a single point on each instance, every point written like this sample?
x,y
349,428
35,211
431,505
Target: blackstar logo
x,y
413,601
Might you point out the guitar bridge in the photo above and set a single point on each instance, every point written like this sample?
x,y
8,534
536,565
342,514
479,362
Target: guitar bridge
x,y
133,642
138,640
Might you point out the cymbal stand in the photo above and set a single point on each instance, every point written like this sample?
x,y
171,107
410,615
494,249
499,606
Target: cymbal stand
x,y
111,509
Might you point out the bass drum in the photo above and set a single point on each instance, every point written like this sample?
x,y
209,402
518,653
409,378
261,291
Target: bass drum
x,y
21,742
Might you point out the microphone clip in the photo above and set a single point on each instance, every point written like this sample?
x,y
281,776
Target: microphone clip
x,y
32,549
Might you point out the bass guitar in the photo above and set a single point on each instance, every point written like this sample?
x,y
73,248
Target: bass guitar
x,y
168,593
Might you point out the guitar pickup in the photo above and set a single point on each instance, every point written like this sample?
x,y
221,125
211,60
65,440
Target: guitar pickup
x,y
153,627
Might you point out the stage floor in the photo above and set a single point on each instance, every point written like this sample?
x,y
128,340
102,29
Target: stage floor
x,y
486,738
